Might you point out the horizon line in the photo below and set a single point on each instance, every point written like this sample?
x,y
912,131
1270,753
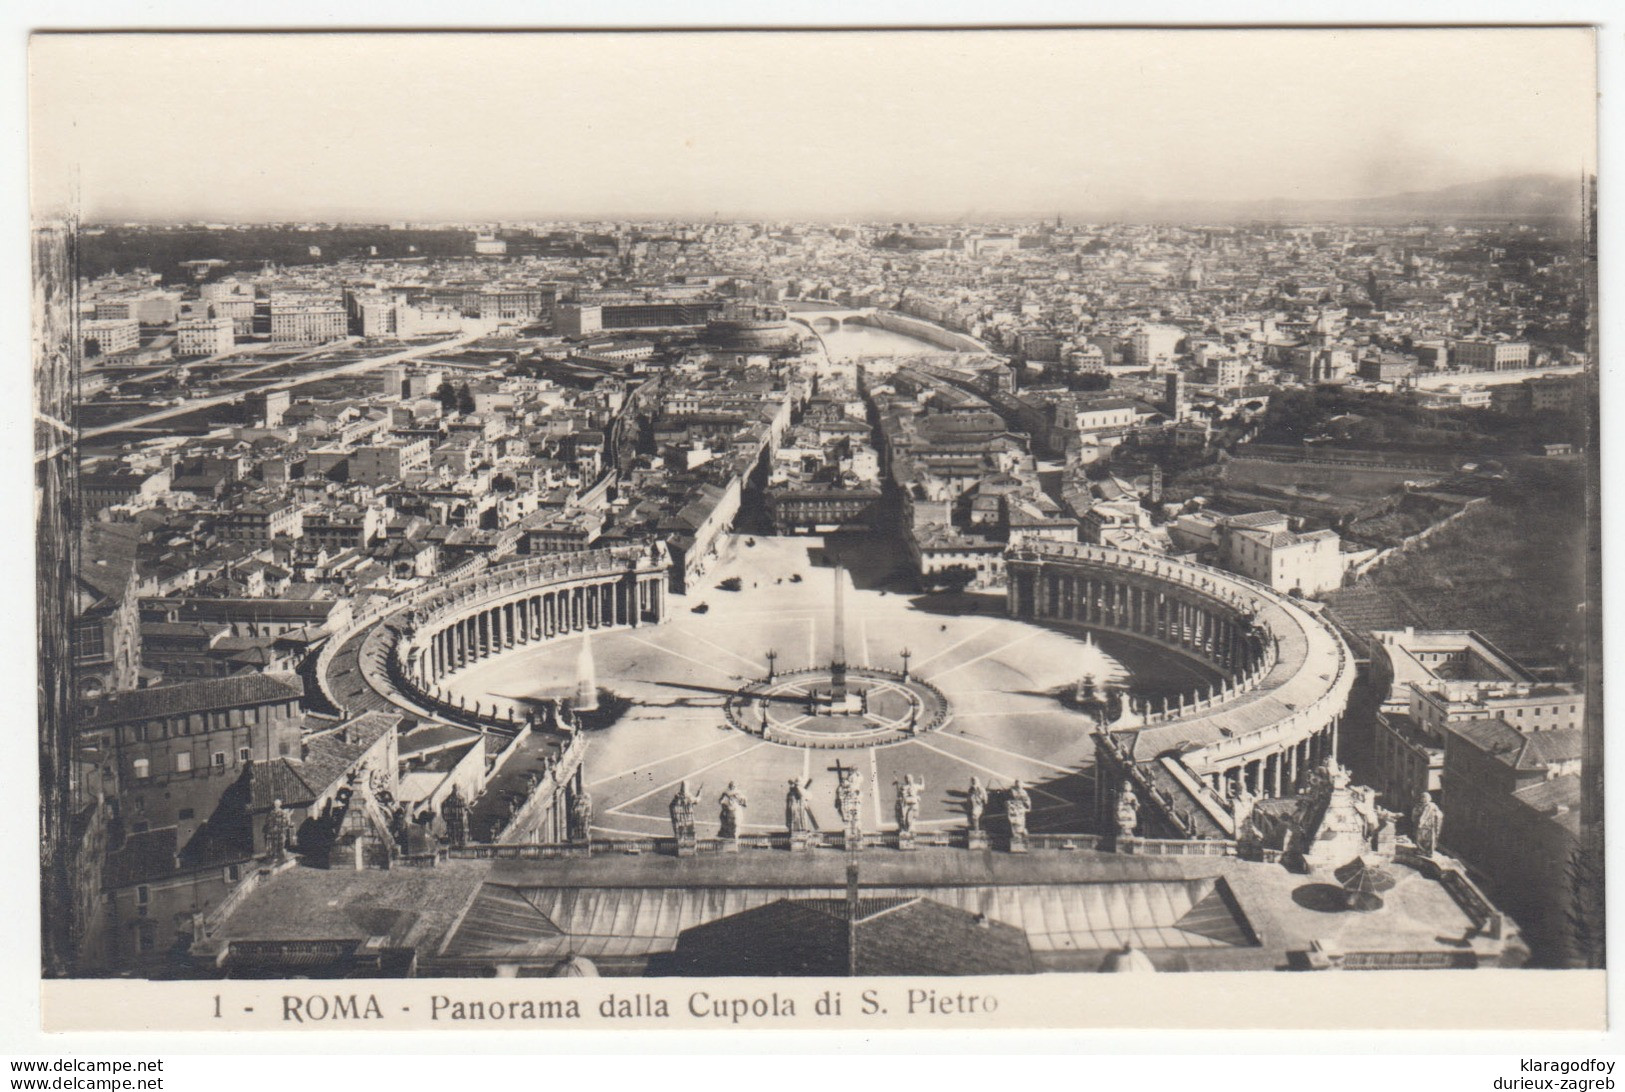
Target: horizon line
x,y
1128,210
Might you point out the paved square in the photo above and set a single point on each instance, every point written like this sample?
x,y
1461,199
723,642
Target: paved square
x,y
1002,679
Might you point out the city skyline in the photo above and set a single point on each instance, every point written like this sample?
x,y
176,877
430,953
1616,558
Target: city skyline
x,y
1540,190
936,126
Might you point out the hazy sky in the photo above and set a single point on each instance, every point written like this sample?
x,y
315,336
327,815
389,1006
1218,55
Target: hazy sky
x,y
919,124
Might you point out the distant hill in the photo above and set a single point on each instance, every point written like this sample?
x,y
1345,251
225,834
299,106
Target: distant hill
x,y
1529,198
1523,197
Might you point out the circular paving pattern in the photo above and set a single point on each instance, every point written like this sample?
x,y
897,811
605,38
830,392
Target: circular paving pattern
x,y
798,708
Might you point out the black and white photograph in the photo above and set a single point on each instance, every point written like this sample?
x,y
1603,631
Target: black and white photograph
x,y
926,506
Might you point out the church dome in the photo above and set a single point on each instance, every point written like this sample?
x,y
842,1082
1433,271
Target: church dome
x,y
1128,961
574,967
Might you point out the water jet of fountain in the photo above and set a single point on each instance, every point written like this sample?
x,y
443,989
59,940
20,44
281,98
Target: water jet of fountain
x,y
586,693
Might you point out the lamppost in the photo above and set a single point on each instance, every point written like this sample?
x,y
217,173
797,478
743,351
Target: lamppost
x,y
907,655
772,660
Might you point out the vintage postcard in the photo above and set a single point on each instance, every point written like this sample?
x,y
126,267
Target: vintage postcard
x,y
851,529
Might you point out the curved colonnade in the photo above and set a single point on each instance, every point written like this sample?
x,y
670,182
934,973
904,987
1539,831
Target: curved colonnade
x,y
1286,671
407,656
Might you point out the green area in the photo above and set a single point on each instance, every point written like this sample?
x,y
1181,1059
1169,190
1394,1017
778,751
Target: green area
x,y
1399,517
1513,569
247,248
1383,422
1059,375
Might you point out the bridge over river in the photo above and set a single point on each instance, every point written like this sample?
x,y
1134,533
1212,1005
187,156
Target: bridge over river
x,y
910,335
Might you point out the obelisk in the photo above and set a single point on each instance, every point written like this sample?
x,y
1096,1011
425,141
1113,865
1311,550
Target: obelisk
x,y
837,660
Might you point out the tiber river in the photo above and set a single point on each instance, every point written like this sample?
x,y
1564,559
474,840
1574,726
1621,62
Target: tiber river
x,y
854,341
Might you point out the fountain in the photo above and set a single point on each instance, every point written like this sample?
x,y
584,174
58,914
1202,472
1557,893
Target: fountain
x,y
586,692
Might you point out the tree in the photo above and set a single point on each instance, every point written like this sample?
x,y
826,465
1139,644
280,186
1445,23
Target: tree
x,y
447,394
465,399
953,578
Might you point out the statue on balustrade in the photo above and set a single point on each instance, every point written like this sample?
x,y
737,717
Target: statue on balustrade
x,y
1128,811
797,817
1016,807
1337,774
1242,805
682,813
1426,823
849,798
732,802
455,812
1364,799
908,802
278,832
581,816
975,803
400,827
